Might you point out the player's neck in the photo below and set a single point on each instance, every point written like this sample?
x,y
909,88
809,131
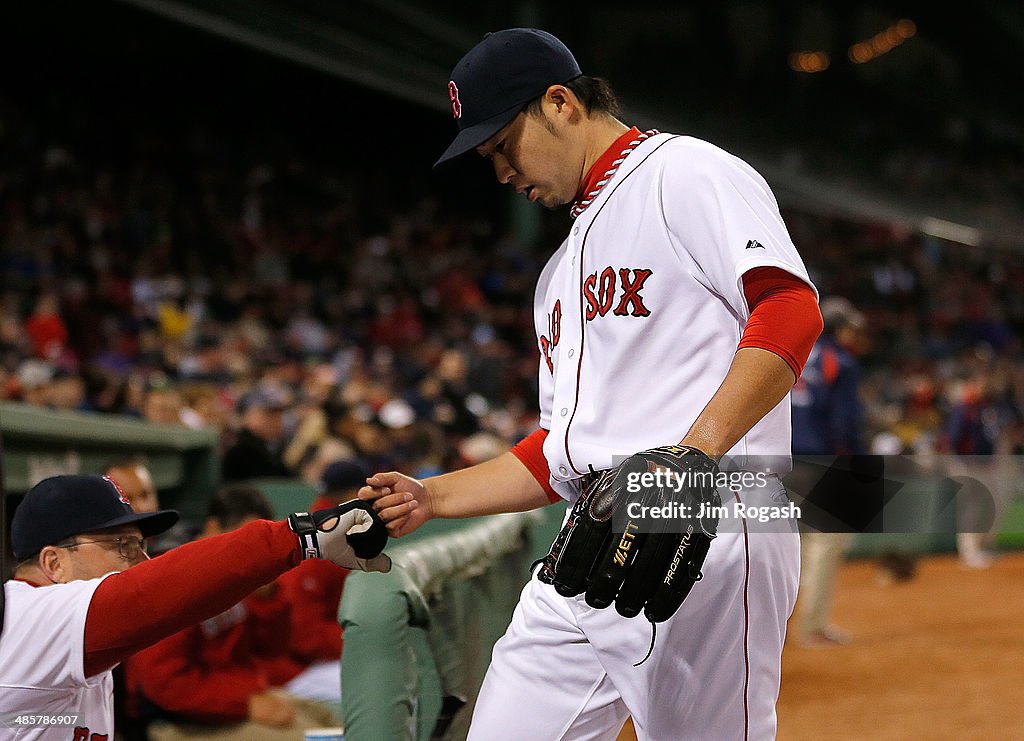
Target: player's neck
x,y
31,575
602,133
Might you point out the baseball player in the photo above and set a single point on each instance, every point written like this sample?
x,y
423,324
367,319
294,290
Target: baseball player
x,y
828,419
671,324
85,595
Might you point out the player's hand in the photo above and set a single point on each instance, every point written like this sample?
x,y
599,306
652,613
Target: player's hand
x,y
271,710
401,501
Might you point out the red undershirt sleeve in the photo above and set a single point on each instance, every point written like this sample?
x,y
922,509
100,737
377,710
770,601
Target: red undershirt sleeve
x,y
530,452
155,599
784,315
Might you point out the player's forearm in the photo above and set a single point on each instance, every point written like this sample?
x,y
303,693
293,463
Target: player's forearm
x,y
756,382
502,484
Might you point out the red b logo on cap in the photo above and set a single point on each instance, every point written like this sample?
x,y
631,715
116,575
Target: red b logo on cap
x,y
120,491
453,95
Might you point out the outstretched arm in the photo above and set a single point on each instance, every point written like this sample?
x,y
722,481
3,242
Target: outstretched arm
x,y
155,599
152,600
502,484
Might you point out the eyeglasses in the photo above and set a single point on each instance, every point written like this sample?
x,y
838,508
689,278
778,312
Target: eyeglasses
x,y
129,547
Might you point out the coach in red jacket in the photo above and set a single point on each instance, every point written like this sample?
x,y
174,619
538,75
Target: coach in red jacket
x,y
85,596
225,669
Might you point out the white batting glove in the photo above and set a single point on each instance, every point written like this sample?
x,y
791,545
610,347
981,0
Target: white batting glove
x,y
351,535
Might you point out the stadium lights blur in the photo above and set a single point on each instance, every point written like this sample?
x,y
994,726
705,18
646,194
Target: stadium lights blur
x,y
808,61
951,231
882,42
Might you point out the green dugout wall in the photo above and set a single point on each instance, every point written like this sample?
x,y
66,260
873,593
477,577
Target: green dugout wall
x,y
38,443
425,630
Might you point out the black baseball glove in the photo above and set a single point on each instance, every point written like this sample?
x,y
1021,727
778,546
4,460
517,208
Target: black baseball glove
x,y
638,570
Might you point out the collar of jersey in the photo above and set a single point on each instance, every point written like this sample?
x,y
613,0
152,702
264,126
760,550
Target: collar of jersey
x,y
607,164
25,581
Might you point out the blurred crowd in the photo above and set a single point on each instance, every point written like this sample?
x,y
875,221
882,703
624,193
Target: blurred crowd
x,y
941,346
251,295
253,298
164,261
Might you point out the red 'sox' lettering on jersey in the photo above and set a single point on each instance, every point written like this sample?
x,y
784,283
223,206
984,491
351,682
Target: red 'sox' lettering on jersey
x,y
600,290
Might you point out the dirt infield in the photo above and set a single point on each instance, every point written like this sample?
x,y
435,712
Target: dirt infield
x,y
937,657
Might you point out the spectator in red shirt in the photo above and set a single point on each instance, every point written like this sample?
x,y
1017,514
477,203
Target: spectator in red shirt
x,y
225,674
46,328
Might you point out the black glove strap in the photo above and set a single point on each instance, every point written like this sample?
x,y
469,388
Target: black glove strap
x,y
302,525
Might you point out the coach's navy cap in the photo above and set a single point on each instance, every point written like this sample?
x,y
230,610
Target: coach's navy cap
x,y
497,77
61,506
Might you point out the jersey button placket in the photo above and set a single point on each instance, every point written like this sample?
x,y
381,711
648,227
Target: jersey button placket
x,y
565,382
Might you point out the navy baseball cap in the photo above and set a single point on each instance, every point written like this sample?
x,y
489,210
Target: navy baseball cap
x,y
343,476
497,77
61,506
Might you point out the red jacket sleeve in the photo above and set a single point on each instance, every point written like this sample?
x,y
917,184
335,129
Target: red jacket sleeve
x,y
182,587
174,675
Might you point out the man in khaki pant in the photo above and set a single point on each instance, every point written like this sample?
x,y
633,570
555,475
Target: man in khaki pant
x,y
827,421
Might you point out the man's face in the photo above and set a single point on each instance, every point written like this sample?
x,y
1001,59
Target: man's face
x,y
163,407
137,485
852,339
99,553
267,424
535,156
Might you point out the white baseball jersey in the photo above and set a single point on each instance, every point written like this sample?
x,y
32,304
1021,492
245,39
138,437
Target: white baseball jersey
x,y
42,650
639,312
